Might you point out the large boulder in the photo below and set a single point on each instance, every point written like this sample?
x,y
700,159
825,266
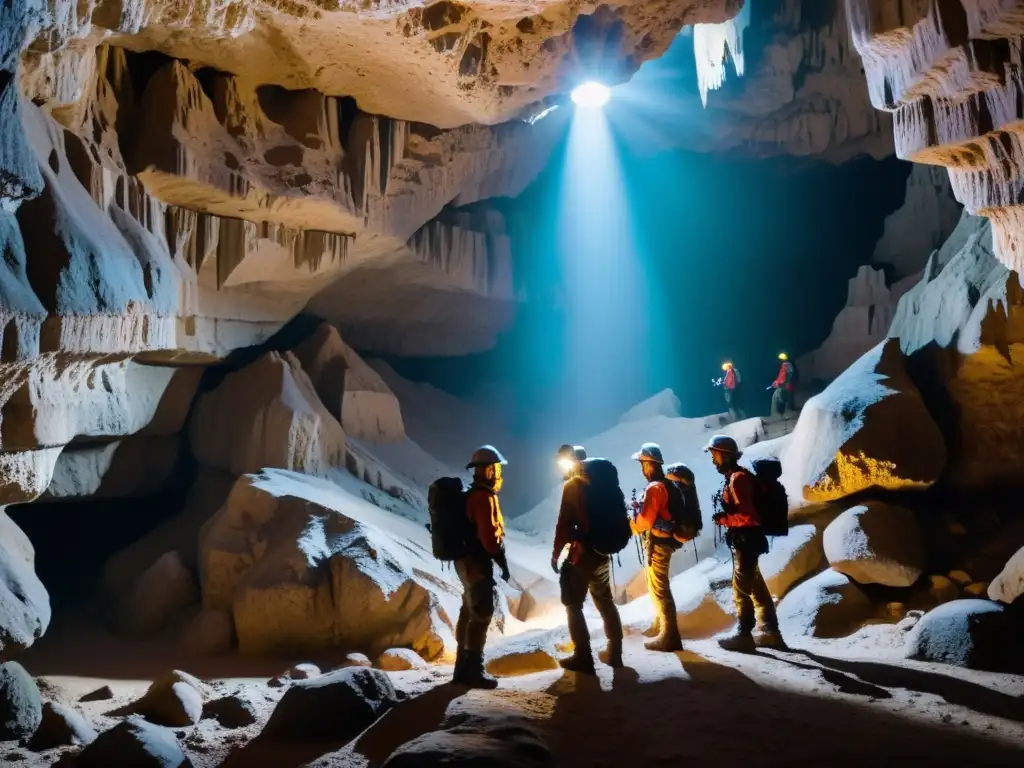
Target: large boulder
x,y
266,415
134,743
961,327
1009,584
876,543
868,429
335,706
522,654
977,634
792,558
303,564
211,632
477,732
827,605
24,602
350,389
21,709
165,587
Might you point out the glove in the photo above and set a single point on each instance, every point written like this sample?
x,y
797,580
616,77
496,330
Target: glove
x,y
554,564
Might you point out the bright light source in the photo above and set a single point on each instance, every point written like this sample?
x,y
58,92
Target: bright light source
x,y
566,464
594,95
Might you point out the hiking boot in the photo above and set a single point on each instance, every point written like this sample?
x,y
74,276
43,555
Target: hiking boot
x,y
471,673
611,657
771,638
666,642
741,642
579,663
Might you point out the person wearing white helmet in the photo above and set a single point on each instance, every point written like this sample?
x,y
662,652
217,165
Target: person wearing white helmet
x,y
736,511
476,568
654,519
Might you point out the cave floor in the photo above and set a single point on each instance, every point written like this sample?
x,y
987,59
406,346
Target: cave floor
x,y
831,703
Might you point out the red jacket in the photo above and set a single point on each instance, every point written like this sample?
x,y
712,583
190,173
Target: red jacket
x,y
484,512
785,377
573,522
655,505
738,500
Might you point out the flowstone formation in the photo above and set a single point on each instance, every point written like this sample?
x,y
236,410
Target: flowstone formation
x,y
950,74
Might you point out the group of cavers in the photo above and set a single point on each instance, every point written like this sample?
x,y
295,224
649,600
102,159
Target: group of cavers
x,y
784,386
595,524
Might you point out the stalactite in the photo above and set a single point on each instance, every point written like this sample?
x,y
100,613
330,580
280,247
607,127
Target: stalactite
x,y
713,44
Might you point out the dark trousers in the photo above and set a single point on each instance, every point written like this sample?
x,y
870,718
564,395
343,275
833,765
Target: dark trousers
x,y
477,577
750,592
591,573
783,399
734,401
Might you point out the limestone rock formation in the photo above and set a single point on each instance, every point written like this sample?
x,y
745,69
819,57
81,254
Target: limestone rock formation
x,y
921,225
827,605
876,543
24,602
869,428
266,415
448,63
399,659
960,330
800,90
175,700
950,73
210,632
295,560
350,389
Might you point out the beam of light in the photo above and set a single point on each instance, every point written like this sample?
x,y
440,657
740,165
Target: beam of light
x,y
606,342
592,95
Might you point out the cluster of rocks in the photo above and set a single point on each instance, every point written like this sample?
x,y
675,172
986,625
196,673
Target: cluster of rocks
x,y
329,709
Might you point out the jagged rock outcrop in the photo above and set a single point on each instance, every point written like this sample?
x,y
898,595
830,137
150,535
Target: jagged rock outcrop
x,y
921,225
801,90
349,388
950,74
446,63
861,325
266,415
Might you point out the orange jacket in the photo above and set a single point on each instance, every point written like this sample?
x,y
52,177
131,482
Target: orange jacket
x,y
573,522
738,500
655,505
485,513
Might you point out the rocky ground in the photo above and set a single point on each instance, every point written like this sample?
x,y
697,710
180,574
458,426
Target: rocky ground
x,y
838,702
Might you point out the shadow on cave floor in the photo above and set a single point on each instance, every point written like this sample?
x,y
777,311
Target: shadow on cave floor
x,y
690,709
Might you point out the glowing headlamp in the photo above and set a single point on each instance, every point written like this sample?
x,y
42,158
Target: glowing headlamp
x,y
566,464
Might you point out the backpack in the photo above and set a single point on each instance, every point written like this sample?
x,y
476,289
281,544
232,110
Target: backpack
x,y
771,500
684,507
450,527
608,530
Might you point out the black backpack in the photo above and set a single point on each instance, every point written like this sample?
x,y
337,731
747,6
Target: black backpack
x,y
684,507
608,530
771,500
450,527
